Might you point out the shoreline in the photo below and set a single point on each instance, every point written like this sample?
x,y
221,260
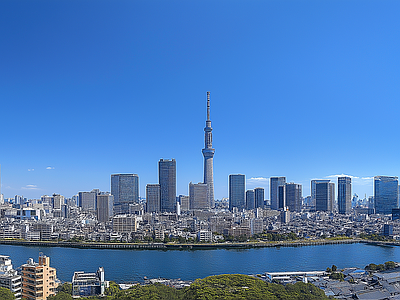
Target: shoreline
x,y
171,246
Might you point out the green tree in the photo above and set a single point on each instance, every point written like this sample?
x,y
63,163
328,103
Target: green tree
x,y
390,265
337,276
6,294
334,268
65,287
112,289
60,296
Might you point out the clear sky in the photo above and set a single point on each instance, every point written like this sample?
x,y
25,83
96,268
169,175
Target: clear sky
x,y
302,89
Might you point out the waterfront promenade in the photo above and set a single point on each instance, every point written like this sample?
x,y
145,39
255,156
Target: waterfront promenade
x,y
178,246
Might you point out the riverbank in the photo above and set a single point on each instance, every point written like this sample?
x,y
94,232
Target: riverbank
x,y
190,246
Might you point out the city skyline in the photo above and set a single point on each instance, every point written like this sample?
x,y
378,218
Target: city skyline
x,y
294,85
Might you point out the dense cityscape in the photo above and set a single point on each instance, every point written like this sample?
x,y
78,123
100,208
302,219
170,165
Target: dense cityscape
x,y
121,218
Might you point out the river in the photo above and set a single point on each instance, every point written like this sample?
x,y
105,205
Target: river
x,y
133,265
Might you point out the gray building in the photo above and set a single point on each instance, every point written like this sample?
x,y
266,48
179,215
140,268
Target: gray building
x,y
167,181
313,190
105,207
324,196
385,194
237,187
344,195
88,284
259,197
275,182
125,189
250,199
208,153
293,193
153,203
87,200
184,201
198,196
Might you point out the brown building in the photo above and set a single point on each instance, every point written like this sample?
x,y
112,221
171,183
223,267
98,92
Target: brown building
x,y
38,279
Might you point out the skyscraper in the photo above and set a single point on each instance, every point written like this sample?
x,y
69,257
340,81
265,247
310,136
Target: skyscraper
x,y
259,197
198,196
87,200
344,195
324,196
125,189
105,207
167,181
250,199
385,194
237,189
275,182
313,191
208,153
153,198
293,194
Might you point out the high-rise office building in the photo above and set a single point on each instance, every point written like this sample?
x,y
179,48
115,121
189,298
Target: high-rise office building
x,y
208,153
324,196
87,200
58,201
167,181
153,198
281,197
344,195
385,194
198,196
250,199
105,207
313,191
275,182
293,194
237,189
259,197
125,189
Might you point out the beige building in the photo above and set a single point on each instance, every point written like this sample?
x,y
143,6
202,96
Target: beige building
x,y
125,223
38,279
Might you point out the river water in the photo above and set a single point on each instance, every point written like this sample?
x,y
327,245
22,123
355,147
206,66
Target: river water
x,y
133,265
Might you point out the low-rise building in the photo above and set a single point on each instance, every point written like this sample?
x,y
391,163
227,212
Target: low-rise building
x,y
88,284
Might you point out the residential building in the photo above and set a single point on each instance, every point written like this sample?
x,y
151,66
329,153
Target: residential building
x,y
385,194
237,187
167,181
198,196
153,203
344,195
275,183
185,203
125,189
125,223
88,284
9,278
38,279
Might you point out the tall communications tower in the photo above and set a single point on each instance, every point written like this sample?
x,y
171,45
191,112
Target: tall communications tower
x,y
208,153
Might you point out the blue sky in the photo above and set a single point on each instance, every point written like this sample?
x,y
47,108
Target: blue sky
x,y
302,89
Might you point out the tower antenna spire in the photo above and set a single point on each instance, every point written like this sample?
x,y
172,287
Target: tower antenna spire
x,y
208,106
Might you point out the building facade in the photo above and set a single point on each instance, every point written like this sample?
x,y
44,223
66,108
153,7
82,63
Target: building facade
x,y
344,195
275,183
88,284
293,193
153,198
314,191
385,194
259,194
167,181
125,189
237,188
105,207
198,196
250,199
38,279
324,196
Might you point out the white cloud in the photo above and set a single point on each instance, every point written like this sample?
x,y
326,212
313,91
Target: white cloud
x,y
49,168
342,175
30,187
258,179
367,178
29,170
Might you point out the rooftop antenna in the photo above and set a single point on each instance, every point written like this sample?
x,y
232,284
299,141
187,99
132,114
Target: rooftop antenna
x,y
208,106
